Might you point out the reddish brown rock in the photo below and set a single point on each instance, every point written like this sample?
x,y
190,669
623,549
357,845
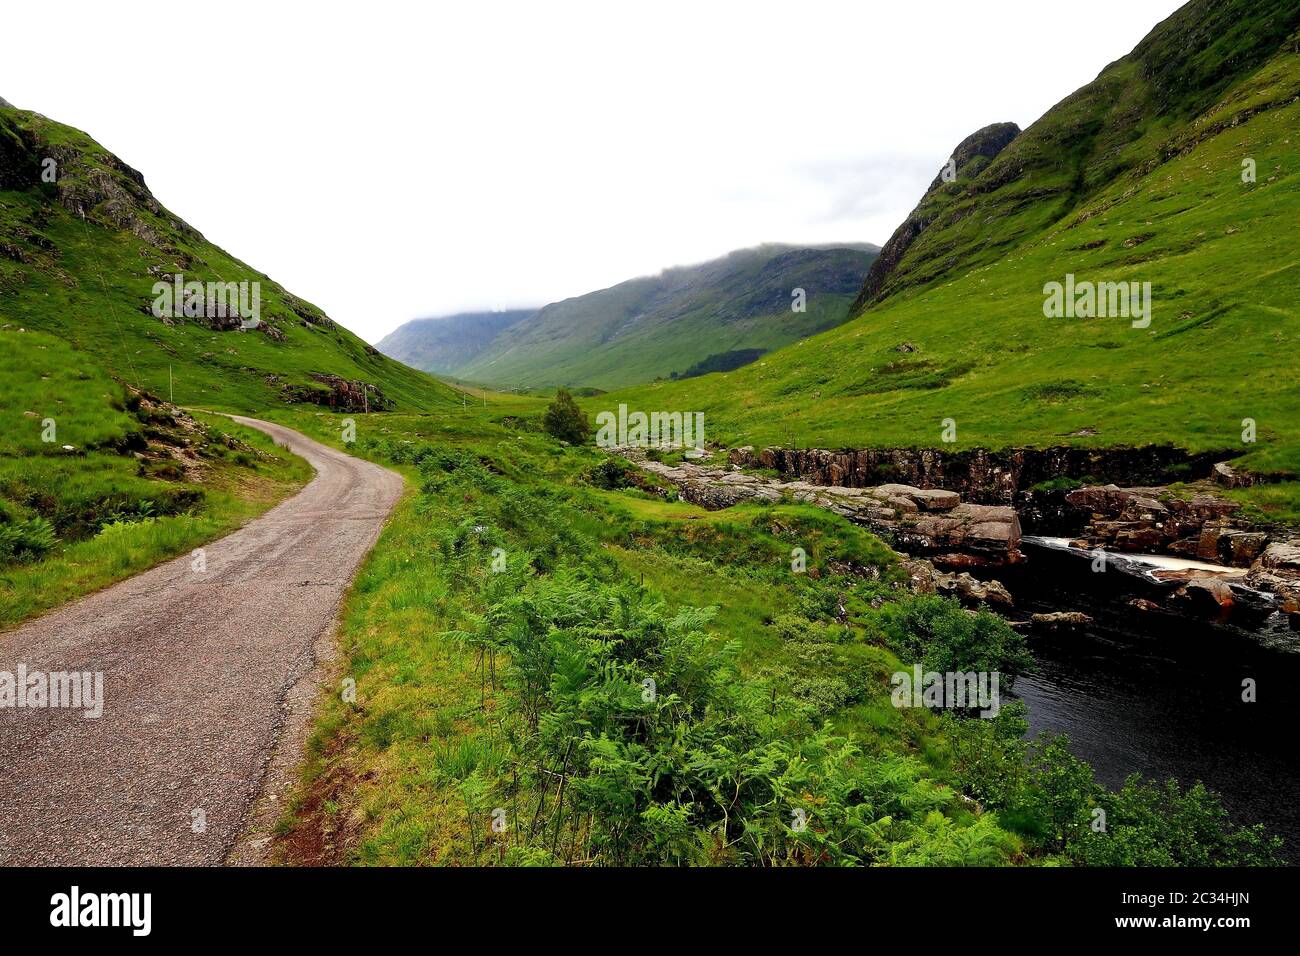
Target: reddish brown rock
x,y
1139,520
1240,548
1206,593
1061,621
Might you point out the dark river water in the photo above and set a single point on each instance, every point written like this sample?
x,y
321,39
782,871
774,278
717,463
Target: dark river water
x,y
1161,696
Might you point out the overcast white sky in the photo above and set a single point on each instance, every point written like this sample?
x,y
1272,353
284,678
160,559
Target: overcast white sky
x,y
392,160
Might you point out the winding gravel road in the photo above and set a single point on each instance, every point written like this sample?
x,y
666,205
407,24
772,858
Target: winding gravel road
x,y
197,666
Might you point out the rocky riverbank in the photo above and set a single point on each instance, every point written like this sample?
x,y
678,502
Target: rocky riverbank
x,y
932,522
946,535
1203,527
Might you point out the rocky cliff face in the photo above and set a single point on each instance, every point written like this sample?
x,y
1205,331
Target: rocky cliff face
x,y
980,475
93,185
982,145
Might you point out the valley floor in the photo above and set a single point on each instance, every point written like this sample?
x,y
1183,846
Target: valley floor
x,y
557,663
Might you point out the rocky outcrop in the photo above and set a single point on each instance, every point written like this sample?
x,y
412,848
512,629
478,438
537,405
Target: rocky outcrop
x,y
927,579
1060,621
339,393
1277,571
1204,528
987,143
1152,520
928,521
1229,477
978,474
309,314
94,185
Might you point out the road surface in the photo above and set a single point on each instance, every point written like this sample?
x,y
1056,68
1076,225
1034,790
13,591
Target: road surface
x,y
196,669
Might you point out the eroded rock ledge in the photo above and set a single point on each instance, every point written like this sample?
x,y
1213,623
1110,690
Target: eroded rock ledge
x,y
978,474
920,521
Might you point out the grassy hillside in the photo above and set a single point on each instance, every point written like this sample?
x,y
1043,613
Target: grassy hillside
x,y
1137,177
444,344
98,483
79,257
100,477
658,326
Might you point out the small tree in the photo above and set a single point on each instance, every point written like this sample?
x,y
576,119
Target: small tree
x,y
565,421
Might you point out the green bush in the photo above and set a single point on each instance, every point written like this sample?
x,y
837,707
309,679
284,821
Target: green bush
x,y
1052,798
610,474
938,633
707,768
565,421
26,540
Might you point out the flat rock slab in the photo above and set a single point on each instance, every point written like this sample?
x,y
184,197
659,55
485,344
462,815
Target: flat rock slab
x,y
196,669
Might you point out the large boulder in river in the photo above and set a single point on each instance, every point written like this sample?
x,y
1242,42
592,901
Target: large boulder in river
x,y
1061,621
971,590
1239,548
1206,594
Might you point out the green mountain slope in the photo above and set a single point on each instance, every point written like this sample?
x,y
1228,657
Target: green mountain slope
x,y
444,344
80,256
1137,177
658,326
98,482
99,479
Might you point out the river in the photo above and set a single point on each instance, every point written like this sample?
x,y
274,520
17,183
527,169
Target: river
x,y
1149,693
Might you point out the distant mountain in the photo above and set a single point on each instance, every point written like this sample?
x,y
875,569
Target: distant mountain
x,y
444,344
85,250
712,315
